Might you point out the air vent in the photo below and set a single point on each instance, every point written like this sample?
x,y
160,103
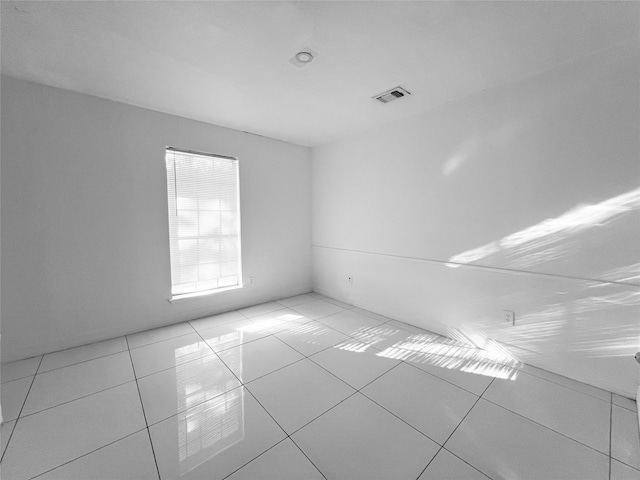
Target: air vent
x,y
391,95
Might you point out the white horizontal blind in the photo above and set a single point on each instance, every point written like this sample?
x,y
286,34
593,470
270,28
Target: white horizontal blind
x,y
204,221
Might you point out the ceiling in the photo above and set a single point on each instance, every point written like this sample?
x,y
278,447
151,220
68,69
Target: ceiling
x,y
228,63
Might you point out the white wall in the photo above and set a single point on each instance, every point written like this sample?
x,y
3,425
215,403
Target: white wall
x,y
85,249
443,219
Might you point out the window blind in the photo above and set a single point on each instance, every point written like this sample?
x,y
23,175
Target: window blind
x,y
204,221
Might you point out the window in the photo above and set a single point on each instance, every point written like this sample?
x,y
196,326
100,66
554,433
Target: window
x,y
204,222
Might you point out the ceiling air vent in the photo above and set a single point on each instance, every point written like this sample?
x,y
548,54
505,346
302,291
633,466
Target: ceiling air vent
x,y
393,94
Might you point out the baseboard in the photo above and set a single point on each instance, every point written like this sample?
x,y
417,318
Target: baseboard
x,y
34,350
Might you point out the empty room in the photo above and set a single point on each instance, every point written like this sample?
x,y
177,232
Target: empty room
x,y
320,240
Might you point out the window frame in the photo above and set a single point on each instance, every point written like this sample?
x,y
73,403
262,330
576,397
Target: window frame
x,y
195,294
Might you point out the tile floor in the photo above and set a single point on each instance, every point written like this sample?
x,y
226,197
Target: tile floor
x,y
305,388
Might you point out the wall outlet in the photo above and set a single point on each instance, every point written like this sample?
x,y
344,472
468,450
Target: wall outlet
x,y
350,280
250,280
509,316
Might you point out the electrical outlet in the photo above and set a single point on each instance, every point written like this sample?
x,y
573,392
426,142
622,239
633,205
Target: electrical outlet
x,y
250,281
509,316
350,279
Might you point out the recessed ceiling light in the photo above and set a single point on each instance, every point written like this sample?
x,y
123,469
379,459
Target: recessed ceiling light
x,y
304,57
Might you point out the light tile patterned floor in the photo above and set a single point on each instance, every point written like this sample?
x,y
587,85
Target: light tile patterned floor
x,y
305,388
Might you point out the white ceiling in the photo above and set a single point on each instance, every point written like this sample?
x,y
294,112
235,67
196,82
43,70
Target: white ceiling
x,y
227,63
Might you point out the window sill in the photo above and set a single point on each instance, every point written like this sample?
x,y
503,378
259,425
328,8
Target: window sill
x,y
186,296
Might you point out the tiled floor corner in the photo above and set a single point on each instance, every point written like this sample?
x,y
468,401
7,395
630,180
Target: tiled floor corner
x,y
306,387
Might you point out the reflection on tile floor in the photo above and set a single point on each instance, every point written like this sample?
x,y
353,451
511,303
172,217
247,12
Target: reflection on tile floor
x,y
306,388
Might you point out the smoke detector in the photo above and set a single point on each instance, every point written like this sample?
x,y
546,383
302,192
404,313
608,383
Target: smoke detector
x,y
391,95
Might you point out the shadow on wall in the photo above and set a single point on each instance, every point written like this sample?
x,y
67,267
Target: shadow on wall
x,y
568,240
582,325
581,319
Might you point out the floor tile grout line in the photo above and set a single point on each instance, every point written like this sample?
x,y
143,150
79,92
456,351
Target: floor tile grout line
x,y
378,377
266,411
16,379
519,372
80,362
392,413
440,378
399,362
344,399
400,418
561,384
217,353
308,458
460,423
301,303
82,345
88,453
222,360
487,387
10,433
314,353
224,322
610,432
467,414
255,458
429,463
234,346
27,415
323,413
248,382
531,420
348,307
243,385
635,469
457,426
546,427
347,334
289,435
163,340
24,360
175,366
213,353
261,376
614,404
305,357
330,372
262,313
153,452
194,406
144,415
20,412
564,386
463,460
